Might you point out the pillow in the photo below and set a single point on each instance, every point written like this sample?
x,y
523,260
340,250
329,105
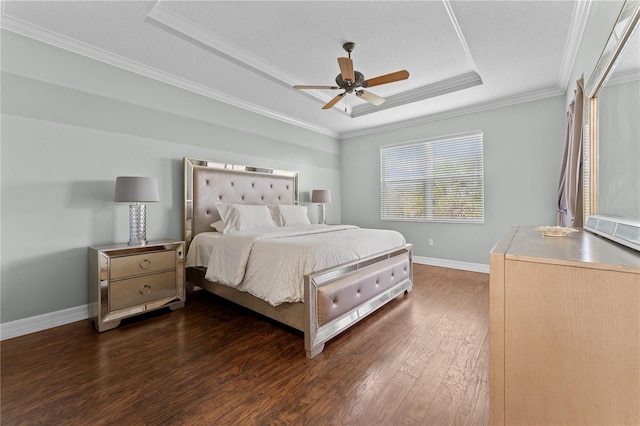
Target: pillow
x,y
218,226
241,217
289,214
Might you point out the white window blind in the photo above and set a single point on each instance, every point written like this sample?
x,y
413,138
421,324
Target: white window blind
x,y
439,180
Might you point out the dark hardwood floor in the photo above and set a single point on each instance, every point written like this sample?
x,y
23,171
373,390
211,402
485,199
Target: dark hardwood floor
x,y
422,359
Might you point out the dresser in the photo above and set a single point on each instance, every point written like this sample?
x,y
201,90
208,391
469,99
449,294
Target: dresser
x,y
129,280
564,330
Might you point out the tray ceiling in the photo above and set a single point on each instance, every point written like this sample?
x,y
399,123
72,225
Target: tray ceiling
x,y
462,55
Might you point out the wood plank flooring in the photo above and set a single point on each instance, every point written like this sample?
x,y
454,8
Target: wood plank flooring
x,y
420,360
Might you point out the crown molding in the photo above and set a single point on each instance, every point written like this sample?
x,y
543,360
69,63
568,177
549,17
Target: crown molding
x,y
458,30
443,87
52,38
23,28
623,77
196,34
483,106
193,33
576,32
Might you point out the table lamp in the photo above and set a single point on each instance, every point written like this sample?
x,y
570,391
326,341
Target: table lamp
x,y
321,196
137,190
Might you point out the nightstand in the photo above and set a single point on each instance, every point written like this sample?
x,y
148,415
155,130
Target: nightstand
x,y
128,280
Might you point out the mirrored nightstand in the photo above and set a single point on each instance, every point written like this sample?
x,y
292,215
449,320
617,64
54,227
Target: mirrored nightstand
x,y
128,280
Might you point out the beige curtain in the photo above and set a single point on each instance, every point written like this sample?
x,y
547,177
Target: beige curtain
x,y
570,206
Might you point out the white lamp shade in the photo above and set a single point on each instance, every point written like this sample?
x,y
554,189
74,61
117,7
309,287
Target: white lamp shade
x,y
136,189
321,196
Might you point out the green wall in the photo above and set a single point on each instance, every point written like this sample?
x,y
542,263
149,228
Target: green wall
x,y
522,156
523,147
70,125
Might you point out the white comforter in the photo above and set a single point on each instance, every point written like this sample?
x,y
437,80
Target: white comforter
x,y
271,264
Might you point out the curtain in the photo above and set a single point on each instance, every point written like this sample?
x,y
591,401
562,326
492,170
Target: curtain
x,y
570,204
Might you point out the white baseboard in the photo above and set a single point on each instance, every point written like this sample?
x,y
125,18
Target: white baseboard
x,y
453,264
29,325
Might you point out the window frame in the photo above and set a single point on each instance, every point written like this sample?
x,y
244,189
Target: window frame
x,y
428,181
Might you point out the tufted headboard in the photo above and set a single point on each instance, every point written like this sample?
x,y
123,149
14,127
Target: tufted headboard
x,y
207,183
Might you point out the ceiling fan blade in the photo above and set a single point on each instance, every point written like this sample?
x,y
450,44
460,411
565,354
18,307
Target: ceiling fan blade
x,y
346,69
387,78
315,87
370,97
334,101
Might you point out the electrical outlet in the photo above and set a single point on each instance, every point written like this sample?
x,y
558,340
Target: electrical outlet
x,y
430,242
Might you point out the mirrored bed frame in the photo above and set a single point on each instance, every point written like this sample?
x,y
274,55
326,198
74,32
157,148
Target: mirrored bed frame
x,y
363,285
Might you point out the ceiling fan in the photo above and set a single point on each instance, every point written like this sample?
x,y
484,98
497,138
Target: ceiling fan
x,y
353,81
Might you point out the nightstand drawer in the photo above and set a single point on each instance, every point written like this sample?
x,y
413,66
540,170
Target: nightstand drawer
x,y
147,263
141,290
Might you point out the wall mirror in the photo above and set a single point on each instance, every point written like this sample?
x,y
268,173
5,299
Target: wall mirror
x,y
612,146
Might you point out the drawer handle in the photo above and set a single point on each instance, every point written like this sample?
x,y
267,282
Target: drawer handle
x,y
145,264
145,289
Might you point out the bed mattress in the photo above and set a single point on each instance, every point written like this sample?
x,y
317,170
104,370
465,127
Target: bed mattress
x,y
271,263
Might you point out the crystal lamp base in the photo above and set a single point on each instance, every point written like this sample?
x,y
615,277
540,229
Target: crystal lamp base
x,y
137,224
321,215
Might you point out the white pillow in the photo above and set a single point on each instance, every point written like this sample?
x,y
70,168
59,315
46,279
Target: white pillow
x,y
218,226
241,217
289,214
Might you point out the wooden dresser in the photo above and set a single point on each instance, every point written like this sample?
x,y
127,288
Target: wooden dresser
x,y
565,330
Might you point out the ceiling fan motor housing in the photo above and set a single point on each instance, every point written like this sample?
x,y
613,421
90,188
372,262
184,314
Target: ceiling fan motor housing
x,y
350,85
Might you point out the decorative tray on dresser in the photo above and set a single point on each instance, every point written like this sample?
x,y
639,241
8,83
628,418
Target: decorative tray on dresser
x,y
128,280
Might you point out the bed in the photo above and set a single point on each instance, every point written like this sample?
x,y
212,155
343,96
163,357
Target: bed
x,y
352,273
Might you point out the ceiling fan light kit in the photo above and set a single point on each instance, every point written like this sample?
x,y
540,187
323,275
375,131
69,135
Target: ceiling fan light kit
x,y
352,81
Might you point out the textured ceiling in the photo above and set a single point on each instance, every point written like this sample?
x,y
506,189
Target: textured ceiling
x,y
461,55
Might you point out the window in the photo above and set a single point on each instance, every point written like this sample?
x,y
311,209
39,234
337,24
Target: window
x,y
434,180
